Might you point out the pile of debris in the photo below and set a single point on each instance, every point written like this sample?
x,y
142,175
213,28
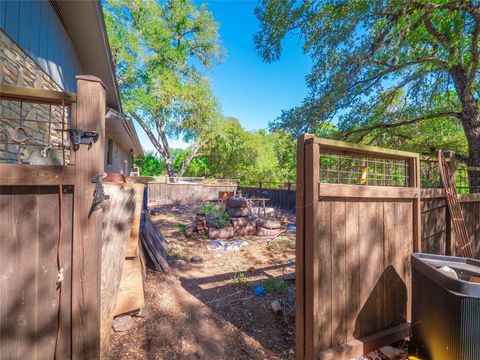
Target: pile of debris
x,y
238,218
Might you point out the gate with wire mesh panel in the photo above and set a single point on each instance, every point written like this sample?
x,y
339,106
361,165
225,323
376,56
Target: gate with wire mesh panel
x,y
49,245
358,221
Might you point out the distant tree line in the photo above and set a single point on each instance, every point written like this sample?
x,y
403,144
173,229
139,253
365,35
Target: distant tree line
x,y
234,153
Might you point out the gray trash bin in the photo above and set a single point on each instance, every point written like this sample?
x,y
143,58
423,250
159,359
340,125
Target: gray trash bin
x,y
446,310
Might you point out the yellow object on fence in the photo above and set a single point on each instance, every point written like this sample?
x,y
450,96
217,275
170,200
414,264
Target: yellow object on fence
x,y
363,177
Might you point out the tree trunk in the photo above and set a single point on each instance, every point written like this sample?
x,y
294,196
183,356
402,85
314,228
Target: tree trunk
x,y
470,118
193,152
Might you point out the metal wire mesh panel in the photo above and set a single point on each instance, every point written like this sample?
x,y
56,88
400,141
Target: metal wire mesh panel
x,y
468,179
351,169
430,173
33,133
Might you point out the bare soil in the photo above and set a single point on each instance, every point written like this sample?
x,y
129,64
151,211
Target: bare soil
x,y
209,310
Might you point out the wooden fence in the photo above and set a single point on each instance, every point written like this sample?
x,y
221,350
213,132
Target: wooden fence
x,y
187,192
437,233
48,233
279,198
353,250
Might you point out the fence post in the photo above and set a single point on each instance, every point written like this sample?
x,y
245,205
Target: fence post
x,y
414,181
450,244
87,225
304,196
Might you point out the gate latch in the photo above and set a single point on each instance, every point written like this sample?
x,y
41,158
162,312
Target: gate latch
x,y
98,194
83,137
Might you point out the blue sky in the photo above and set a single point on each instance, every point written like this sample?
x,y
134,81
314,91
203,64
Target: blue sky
x,y
249,89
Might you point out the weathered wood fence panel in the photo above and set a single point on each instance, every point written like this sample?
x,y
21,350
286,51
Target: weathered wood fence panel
x,y
37,204
186,192
279,198
356,258
29,305
437,233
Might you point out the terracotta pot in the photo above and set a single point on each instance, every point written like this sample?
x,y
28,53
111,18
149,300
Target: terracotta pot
x,y
114,177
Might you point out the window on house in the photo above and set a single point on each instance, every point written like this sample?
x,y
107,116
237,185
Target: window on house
x,y
110,152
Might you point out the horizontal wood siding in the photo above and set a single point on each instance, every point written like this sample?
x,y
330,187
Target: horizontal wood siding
x,y
36,28
279,198
29,227
186,192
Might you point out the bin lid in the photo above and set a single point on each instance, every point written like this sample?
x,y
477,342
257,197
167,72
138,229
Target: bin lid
x,y
430,264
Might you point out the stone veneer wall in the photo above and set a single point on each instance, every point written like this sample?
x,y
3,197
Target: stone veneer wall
x,y
119,156
17,68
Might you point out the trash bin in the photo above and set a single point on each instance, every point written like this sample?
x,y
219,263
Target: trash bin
x,y
446,307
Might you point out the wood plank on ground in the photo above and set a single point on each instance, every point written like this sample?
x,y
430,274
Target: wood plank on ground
x,y
118,215
130,294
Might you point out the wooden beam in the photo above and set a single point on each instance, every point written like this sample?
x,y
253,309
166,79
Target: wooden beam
x,y
311,249
362,191
12,92
414,183
328,145
20,174
87,228
300,250
366,344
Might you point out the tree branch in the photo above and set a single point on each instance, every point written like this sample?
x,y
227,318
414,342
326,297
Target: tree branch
x,y
403,123
149,133
393,68
193,152
474,49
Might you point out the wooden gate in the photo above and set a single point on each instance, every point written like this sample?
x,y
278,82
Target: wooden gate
x,y
353,246
49,240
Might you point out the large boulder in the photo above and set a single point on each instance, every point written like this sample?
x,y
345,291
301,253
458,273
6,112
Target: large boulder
x,y
260,211
243,221
245,230
269,224
233,202
267,232
238,212
223,233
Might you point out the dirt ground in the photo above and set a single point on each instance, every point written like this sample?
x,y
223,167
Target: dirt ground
x,y
209,310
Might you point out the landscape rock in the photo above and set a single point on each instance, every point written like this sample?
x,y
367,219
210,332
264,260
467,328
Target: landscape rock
x,y
143,312
238,212
196,259
123,323
233,202
189,231
267,232
181,263
223,233
269,224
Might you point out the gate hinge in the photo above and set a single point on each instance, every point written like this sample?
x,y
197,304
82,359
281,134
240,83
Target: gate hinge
x,y
98,194
83,137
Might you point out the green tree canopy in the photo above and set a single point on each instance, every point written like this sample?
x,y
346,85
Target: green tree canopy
x,y
385,72
159,48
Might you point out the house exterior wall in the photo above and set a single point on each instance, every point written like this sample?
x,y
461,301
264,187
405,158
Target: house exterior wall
x,y
122,160
36,28
17,68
